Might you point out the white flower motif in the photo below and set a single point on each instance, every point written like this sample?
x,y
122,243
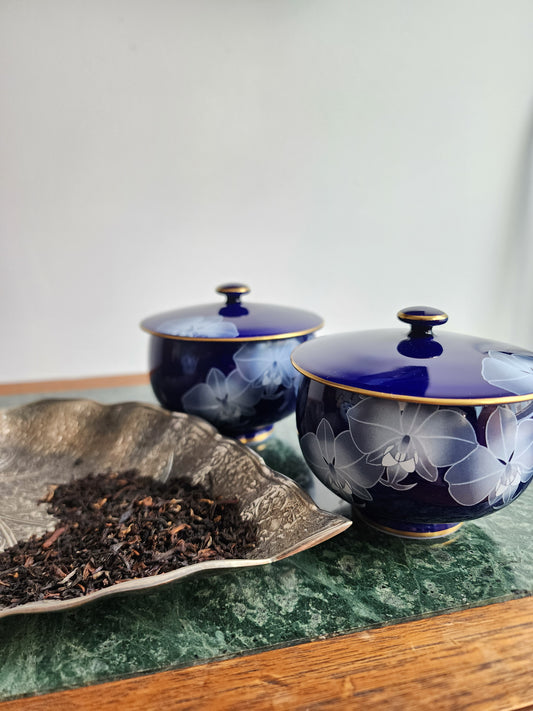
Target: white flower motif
x,y
509,371
496,471
336,461
267,365
189,363
221,399
405,438
200,327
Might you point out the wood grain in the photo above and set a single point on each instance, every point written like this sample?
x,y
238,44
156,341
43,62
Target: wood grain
x,y
475,660
104,381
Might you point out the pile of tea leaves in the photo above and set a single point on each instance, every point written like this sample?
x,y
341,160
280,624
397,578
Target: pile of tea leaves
x,y
118,526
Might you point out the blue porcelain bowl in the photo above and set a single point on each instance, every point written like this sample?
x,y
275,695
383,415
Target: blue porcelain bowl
x,y
229,364
419,433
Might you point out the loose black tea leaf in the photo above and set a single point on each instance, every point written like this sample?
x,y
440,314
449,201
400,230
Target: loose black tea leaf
x,y
118,526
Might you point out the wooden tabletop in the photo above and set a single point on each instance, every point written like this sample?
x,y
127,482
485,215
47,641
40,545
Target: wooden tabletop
x,y
476,659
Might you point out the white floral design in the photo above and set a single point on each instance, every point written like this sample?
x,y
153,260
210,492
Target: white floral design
x,y
509,371
400,438
267,366
189,363
496,471
200,327
221,399
263,372
334,460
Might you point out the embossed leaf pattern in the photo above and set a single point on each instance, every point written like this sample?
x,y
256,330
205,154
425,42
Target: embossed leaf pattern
x,y
48,439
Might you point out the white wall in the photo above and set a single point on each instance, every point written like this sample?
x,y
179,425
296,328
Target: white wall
x,y
349,156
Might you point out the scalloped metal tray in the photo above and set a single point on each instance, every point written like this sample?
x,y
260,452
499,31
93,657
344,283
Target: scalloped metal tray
x,y
51,441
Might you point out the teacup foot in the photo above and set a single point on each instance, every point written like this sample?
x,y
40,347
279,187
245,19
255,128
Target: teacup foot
x,y
417,531
256,436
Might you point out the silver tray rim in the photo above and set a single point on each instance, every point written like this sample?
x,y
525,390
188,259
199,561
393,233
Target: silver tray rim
x,y
327,526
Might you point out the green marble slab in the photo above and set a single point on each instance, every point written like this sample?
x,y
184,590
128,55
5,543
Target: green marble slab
x,y
358,580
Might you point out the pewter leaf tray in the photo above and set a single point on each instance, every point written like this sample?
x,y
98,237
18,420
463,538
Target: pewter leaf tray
x,y
52,441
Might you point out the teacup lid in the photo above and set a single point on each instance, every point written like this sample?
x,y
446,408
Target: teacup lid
x,y
233,320
419,366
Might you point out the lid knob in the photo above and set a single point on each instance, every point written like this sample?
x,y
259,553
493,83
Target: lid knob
x,y
233,292
422,319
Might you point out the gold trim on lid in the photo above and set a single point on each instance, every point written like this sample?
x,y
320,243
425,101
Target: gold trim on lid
x,y
403,316
233,289
236,339
506,399
233,292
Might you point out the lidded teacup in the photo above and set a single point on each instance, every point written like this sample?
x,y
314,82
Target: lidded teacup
x,y
420,431
229,362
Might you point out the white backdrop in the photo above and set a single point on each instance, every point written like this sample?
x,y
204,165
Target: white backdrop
x,y
349,156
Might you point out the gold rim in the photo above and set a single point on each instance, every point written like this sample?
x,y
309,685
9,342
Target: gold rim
x,y
233,289
413,398
261,436
411,534
237,339
421,317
